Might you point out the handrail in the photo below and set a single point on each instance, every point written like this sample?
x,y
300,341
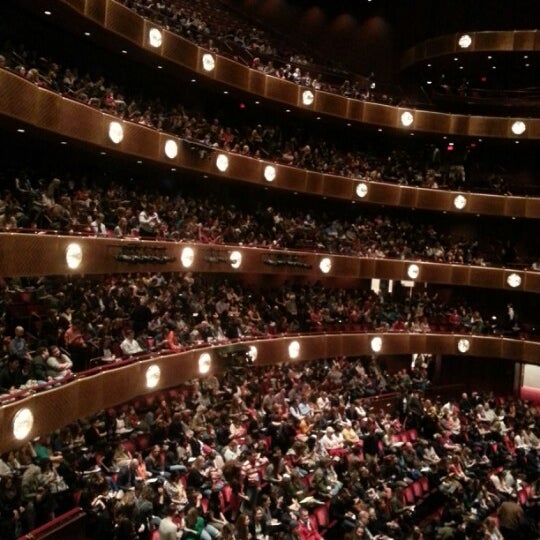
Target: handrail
x,y
52,527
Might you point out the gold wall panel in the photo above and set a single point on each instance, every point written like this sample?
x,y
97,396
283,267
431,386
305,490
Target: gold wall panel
x,y
228,71
284,91
336,186
431,199
140,141
356,109
485,204
432,121
257,82
514,206
461,274
316,183
408,196
435,273
95,10
481,125
180,50
76,4
486,277
383,115
125,22
332,104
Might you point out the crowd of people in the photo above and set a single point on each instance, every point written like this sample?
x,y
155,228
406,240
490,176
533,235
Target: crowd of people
x,y
120,210
264,453
71,323
288,144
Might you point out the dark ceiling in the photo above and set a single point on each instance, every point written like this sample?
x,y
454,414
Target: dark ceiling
x,y
415,20
370,35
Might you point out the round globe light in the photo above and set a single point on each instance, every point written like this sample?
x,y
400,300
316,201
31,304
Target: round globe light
x,y
153,374
116,132
270,173
460,202
155,37
407,118
23,422
463,345
519,127
413,271
187,257
294,350
205,361
171,149
235,259
376,344
514,280
308,97
74,256
222,162
361,189
465,41
208,62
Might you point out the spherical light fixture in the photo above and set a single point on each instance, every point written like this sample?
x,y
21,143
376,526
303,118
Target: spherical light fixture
x,y
23,422
463,345
235,258
208,62
308,97
253,353
407,118
187,257
155,38
74,256
465,41
205,361
222,162
294,350
270,173
413,271
519,127
361,189
153,374
171,149
514,280
116,132
460,202
325,265
376,344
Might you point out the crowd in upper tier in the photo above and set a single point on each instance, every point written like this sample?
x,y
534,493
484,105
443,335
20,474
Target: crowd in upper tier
x,y
289,144
123,209
69,324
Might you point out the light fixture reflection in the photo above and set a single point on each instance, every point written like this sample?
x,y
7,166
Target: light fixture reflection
x,y
116,132
155,38
171,149
407,119
308,97
208,62
463,345
518,127
514,280
361,189
460,202
294,350
465,41
153,374
205,361
74,256
413,271
222,162
187,257
235,259
376,344
23,421
270,173
325,265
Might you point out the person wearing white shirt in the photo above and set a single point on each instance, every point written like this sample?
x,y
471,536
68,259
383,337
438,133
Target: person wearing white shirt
x,y
58,364
130,346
